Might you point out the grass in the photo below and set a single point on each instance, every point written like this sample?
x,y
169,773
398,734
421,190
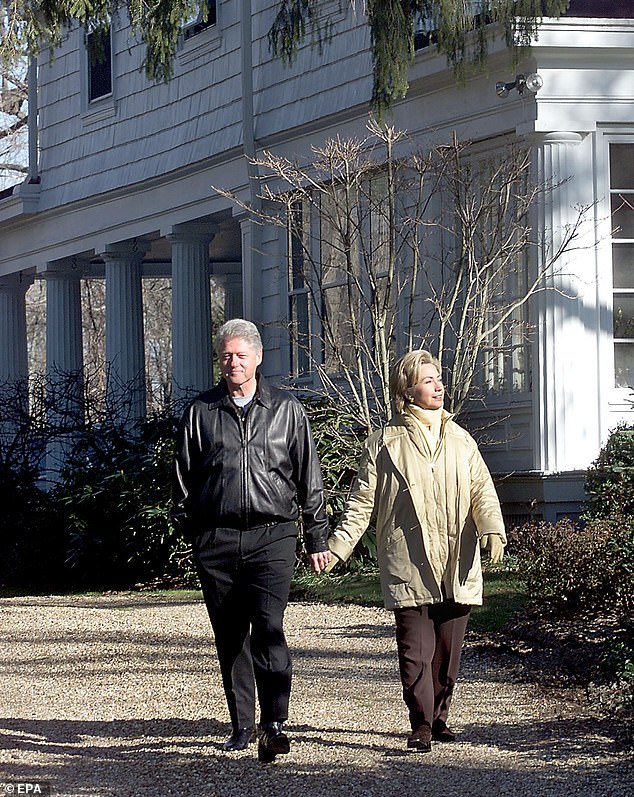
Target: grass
x,y
503,596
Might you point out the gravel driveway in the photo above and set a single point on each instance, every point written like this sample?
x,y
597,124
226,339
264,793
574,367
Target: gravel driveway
x,y
120,695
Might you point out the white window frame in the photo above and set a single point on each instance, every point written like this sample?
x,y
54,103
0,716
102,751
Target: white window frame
x,y
300,360
103,107
621,395
202,42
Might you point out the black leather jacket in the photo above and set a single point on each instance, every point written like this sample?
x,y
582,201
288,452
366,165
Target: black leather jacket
x,y
240,471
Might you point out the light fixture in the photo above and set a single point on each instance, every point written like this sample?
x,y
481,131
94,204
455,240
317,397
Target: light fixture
x,y
532,82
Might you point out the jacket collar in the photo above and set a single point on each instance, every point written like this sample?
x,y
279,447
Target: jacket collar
x,y
219,395
401,444
397,426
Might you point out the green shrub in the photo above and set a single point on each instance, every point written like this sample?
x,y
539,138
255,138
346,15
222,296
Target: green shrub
x,y
339,439
610,478
573,566
32,534
617,664
116,492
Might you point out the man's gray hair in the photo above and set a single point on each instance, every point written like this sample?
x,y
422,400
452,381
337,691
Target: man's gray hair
x,y
239,328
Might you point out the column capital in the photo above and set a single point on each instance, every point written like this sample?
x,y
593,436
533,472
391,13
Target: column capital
x,y
192,231
554,137
68,268
125,250
16,282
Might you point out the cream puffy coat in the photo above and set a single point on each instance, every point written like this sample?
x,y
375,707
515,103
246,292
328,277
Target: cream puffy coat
x,y
430,511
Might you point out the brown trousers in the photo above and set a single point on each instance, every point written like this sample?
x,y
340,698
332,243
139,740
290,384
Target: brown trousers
x,y
429,641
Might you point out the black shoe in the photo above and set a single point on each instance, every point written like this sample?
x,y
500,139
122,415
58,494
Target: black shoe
x,y
272,741
441,733
420,740
239,740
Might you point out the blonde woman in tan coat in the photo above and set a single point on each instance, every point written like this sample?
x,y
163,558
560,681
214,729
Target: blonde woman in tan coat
x,y
424,483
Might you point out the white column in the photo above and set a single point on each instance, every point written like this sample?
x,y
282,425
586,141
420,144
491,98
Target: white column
x,y
125,353
192,363
64,346
566,407
64,360
14,364
251,268
232,284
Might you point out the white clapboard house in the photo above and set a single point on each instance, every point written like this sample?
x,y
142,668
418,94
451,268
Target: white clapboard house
x,y
120,187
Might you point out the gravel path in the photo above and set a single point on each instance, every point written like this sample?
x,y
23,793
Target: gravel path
x,y
119,696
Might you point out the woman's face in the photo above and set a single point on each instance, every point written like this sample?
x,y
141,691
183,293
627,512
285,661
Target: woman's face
x,y
429,391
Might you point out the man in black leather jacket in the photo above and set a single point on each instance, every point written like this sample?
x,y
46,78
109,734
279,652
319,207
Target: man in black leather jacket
x,y
244,467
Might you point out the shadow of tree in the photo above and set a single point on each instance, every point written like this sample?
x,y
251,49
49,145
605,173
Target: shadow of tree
x,y
182,757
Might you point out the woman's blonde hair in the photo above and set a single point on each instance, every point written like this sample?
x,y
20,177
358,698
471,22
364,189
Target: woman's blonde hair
x,y
406,373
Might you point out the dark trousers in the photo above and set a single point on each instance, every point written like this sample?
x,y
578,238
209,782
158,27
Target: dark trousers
x,y
246,578
429,641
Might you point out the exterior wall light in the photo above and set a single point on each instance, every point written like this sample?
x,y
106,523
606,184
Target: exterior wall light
x,y
532,82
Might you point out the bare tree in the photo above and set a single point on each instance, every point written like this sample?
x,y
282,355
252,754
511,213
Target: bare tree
x,y
393,251
157,321
13,123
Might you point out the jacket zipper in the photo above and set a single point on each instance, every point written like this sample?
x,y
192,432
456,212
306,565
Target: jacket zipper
x,y
244,465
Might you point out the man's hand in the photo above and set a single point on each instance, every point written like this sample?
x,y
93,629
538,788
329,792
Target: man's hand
x,y
320,560
494,545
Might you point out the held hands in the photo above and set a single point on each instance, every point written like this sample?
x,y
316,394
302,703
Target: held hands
x,y
493,543
321,560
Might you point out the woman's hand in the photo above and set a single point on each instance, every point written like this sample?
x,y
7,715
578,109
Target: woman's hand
x,y
494,545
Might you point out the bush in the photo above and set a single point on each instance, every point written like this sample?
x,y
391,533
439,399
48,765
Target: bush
x,y
573,566
610,478
617,663
32,534
116,492
339,439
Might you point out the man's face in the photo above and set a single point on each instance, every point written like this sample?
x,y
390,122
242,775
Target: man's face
x,y
238,362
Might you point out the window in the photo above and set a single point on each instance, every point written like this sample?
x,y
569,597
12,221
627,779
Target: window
x,y
99,51
298,293
505,354
205,18
339,279
498,258
427,24
622,210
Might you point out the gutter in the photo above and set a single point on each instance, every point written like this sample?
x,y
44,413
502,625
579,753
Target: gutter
x,y
252,276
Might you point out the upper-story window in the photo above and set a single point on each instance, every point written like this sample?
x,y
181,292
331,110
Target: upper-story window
x,y
427,23
99,52
203,19
622,210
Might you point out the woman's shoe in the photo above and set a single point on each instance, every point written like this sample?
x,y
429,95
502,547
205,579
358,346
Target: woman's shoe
x,y
441,733
420,740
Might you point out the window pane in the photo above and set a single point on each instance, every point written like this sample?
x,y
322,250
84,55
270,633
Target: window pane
x,y
300,334
99,64
623,265
298,278
623,316
622,165
337,329
624,364
623,215
379,224
197,24
298,245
